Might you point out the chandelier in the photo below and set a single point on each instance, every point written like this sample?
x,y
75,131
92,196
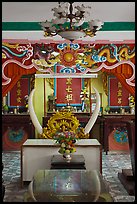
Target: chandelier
x,y
70,22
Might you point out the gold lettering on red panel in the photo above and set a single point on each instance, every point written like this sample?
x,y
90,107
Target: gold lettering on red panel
x,y
18,92
69,81
119,93
119,100
69,89
69,96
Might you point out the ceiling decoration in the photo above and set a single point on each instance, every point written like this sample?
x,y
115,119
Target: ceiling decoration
x,y
70,22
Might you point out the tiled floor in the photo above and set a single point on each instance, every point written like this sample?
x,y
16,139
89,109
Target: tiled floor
x,y
111,165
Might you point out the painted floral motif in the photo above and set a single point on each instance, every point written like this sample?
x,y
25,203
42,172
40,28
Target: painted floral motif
x,y
16,136
121,136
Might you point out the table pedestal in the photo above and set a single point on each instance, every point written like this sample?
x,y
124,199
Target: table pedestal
x,y
127,179
76,162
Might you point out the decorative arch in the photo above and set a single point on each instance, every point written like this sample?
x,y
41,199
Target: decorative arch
x,y
24,59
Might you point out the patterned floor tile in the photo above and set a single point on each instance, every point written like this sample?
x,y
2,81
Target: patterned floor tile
x,y
112,163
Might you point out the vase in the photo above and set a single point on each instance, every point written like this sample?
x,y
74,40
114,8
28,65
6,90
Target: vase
x,y
67,157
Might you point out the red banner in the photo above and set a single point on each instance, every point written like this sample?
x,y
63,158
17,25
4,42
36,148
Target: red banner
x,y
18,92
68,90
118,95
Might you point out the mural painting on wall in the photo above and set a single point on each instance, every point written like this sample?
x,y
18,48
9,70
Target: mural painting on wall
x,y
13,138
118,140
73,57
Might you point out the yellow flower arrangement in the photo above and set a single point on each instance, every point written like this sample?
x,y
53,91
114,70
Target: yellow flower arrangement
x,y
67,140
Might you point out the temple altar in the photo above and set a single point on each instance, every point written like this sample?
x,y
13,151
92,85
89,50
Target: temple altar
x,y
36,154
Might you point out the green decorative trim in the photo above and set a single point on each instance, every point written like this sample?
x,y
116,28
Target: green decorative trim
x,y
30,26
119,26
20,26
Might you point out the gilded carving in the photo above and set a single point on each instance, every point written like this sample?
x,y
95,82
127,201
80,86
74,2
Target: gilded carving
x,y
62,121
32,82
51,82
105,82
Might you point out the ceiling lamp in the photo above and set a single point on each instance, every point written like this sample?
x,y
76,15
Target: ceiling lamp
x,y
70,22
